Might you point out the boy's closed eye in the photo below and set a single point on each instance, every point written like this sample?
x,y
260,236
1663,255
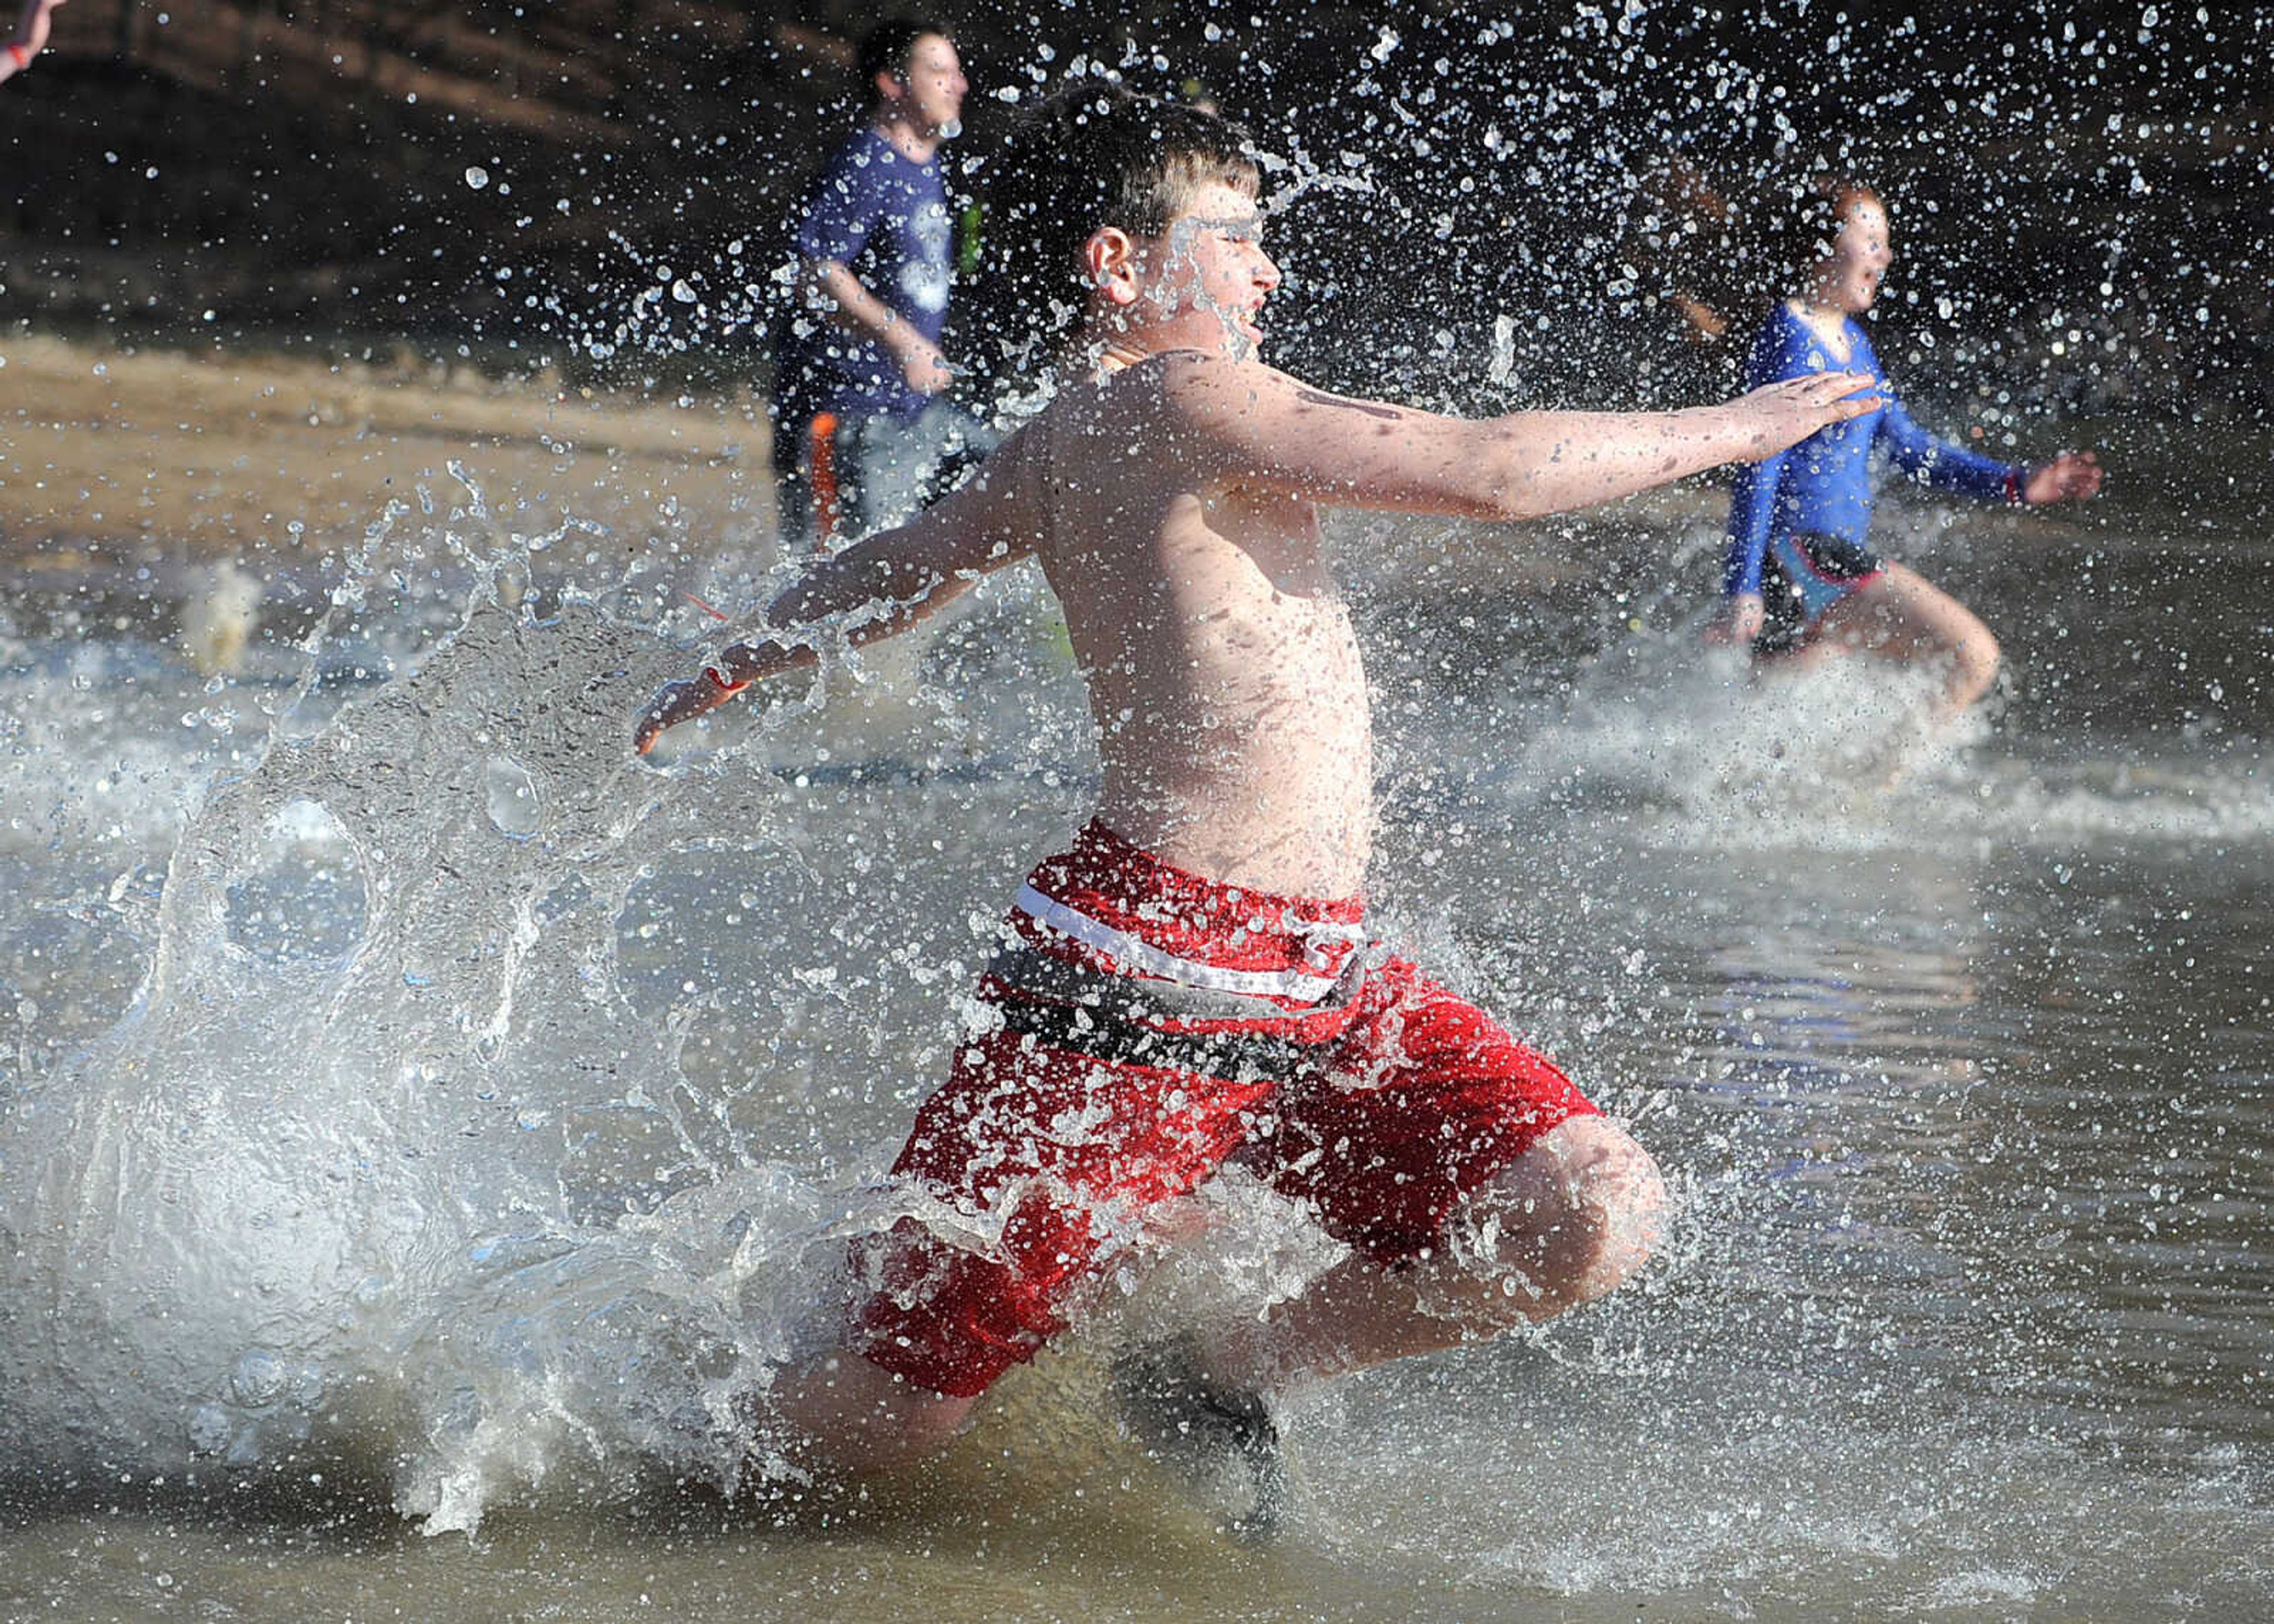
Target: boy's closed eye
x,y
1239,229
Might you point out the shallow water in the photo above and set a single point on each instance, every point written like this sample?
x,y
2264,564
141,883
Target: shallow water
x,y
421,1118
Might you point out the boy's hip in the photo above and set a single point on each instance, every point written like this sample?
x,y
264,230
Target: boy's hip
x,y
1108,928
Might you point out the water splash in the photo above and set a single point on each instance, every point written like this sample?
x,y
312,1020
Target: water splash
x,y
417,1150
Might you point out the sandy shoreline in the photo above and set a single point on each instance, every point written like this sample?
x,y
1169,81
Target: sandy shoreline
x,y
165,460
127,475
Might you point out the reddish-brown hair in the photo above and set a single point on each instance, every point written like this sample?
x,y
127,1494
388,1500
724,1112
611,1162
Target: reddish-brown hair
x,y
1820,206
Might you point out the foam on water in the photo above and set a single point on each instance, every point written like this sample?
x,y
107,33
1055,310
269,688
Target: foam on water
x,y
1709,755
377,1061
393,1166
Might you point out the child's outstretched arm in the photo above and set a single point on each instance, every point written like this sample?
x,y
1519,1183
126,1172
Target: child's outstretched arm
x,y
2072,475
901,577
1275,430
1752,511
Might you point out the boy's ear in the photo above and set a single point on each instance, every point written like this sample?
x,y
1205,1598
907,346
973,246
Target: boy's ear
x,y
1110,260
891,88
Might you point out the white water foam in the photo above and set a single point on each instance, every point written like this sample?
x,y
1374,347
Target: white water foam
x,y
1840,758
394,1166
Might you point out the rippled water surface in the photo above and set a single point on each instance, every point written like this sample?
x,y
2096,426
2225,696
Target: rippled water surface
x,y
419,1117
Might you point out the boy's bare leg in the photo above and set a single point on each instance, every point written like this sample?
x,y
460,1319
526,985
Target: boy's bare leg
x,y
1577,1213
855,1417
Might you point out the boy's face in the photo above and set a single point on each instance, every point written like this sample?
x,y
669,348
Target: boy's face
x,y
1201,283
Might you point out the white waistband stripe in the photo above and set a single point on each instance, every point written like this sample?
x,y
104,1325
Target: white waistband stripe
x,y
1131,954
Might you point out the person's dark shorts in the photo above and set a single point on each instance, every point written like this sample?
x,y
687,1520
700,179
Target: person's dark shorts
x,y
1803,574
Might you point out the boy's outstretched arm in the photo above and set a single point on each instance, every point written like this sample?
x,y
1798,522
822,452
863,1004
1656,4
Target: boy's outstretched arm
x,y
1275,430
902,575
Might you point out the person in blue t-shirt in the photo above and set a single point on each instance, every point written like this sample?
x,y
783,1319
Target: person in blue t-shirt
x,y
1802,581
859,424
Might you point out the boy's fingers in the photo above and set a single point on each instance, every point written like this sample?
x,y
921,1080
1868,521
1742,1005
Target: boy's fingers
x,y
661,712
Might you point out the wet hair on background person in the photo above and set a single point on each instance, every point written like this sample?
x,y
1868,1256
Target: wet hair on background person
x,y
1686,238
1805,228
1092,153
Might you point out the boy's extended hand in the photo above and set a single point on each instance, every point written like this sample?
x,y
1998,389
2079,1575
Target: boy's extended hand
x,y
740,664
680,701
1784,414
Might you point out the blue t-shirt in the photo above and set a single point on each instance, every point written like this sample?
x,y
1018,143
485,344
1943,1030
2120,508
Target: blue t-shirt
x,y
1823,485
885,218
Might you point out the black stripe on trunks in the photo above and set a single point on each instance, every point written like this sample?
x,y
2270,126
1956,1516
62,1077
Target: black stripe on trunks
x,y
1096,1035
1049,979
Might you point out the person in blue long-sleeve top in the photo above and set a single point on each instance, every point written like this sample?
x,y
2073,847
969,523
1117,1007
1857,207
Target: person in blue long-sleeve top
x,y
1802,581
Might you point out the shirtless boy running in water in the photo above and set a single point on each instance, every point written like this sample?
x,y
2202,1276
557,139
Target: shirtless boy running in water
x,y
1193,980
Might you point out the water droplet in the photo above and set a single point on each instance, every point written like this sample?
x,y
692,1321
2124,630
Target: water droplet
x,y
209,1429
259,1379
512,798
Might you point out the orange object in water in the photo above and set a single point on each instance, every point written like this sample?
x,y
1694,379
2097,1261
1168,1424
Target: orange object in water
x,y
822,458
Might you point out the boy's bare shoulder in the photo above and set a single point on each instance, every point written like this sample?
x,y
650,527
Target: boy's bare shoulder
x,y
1218,395
1198,372
1176,396
1205,386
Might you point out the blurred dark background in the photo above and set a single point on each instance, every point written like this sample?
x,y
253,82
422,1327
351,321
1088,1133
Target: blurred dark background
x,y
1484,204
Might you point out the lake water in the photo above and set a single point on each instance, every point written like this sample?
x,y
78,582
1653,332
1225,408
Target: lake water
x,y
422,1121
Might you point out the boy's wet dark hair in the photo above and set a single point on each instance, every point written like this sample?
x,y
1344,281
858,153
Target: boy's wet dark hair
x,y
886,48
1091,154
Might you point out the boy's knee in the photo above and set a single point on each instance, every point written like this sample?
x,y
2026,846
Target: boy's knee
x,y
1567,1222
1616,1199
1974,662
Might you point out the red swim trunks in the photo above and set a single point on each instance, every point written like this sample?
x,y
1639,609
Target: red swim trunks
x,y
1152,1026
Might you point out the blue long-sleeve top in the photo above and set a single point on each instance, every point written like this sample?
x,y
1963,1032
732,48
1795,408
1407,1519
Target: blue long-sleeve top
x,y
1824,484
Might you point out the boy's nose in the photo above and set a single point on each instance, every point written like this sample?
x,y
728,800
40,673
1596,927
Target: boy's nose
x,y
1267,273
